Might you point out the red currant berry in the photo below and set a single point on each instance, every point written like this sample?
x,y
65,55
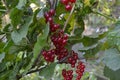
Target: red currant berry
x,y
68,7
50,20
65,2
72,1
51,12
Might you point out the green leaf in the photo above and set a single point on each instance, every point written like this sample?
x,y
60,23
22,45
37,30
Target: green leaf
x,y
18,35
111,59
21,4
2,57
114,36
11,4
2,66
16,16
4,75
88,41
113,75
41,42
91,51
48,71
1,46
15,49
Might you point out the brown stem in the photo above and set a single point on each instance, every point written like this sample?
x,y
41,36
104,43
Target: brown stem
x,y
65,25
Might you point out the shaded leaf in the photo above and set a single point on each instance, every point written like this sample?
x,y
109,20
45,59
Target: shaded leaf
x,y
17,35
2,66
48,71
4,75
15,16
91,51
114,36
2,57
39,45
41,42
113,75
111,59
21,4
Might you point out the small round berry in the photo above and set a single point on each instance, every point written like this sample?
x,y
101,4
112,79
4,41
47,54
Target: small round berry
x,y
65,36
50,20
72,1
46,15
68,7
56,26
65,2
51,12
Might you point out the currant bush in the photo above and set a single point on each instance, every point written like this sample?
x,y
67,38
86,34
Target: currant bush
x,y
59,40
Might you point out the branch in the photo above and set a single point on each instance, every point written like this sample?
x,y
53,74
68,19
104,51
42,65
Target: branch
x,y
4,2
63,60
49,3
30,72
3,37
36,70
69,17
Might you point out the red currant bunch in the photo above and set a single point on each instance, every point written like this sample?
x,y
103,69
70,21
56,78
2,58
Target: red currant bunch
x,y
68,75
61,53
59,39
73,59
49,18
80,70
68,4
49,55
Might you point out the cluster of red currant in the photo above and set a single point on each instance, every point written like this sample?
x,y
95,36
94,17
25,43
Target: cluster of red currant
x,y
59,39
49,55
73,59
49,18
68,75
80,70
68,4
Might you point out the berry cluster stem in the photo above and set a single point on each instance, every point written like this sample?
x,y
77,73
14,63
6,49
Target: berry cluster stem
x,y
65,25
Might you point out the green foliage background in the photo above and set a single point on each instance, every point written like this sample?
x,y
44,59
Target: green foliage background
x,y
24,34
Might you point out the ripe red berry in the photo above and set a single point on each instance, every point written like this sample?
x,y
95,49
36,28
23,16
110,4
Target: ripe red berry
x,y
50,20
49,55
56,26
51,12
46,15
80,70
68,75
68,7
65,2
72,1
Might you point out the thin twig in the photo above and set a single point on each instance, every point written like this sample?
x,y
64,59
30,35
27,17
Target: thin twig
x,y
2,37
4,2
69,17
65,58
36,70
49,3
